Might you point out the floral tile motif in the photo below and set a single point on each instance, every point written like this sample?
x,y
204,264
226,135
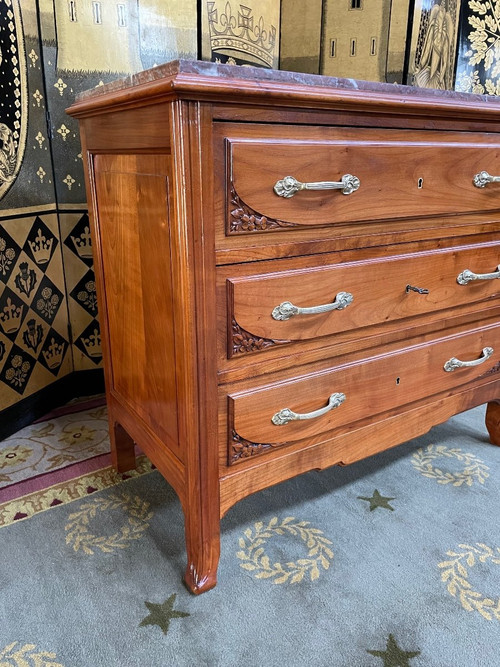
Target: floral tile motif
x,y
54,444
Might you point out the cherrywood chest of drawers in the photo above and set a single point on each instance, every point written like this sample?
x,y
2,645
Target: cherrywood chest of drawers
x,y
294,272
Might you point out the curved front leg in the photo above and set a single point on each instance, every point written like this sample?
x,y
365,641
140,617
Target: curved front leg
x,y
203,548
493,422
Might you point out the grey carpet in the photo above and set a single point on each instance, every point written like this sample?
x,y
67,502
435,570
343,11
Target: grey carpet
x,y
392,561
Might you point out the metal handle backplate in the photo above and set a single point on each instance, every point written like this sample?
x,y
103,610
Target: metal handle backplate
x,y
468,276
287,187
454,363
286,310
286,415
482,179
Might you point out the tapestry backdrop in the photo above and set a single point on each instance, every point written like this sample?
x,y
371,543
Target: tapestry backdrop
x,y
50,50
478,62
364,39
241,33
49,325
433,44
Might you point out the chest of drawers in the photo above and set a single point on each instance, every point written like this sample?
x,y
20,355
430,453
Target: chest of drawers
x,y
294,272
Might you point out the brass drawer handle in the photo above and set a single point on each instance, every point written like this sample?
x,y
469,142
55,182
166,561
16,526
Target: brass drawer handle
x,y
286,415
468,276
289,185
454,363
482,179
286,310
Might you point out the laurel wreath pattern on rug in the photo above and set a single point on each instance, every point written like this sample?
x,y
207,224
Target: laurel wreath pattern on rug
x,y
474,468
14,655
456,574
78,532
255,559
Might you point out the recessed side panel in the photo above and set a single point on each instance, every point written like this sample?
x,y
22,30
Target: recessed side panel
x,y
133,224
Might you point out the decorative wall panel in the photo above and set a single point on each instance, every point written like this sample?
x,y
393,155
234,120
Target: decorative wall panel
x,y
300,36
433,44
34,340
13,110
80,283
364,39
48,315
478,61
241,33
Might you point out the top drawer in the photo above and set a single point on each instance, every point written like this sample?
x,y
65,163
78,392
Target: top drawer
x,y
401,174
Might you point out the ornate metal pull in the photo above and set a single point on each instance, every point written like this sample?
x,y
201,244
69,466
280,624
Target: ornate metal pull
x,y
482,179
286,415
454,363
468,276
286,310
289,185
418,290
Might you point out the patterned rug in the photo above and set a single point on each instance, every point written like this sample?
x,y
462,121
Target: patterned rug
x,y
63,457
390,562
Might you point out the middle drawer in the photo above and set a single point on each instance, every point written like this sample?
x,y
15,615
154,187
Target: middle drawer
x,y
303,304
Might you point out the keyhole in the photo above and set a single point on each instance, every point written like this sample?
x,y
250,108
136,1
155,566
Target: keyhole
x,y
420,183
398,380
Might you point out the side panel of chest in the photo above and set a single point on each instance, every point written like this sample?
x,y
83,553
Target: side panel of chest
x,y
133,210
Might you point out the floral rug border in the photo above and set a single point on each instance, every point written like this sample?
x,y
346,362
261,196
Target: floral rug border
x,y
65,492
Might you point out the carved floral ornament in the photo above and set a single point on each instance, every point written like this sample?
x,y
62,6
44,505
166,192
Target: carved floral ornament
x,y
13,113
244,220
243,341
241,449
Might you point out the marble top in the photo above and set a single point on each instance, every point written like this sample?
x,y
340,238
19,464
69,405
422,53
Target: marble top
x,y
259,75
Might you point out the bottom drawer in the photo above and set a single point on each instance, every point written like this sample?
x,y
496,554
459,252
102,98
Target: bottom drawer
x,y
309,405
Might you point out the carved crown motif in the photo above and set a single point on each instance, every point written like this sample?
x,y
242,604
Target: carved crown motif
x,y
92,344
83,244
41,248
240,31
10,317
54,354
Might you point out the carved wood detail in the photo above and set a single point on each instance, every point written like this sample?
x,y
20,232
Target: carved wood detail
x,y
494,369
243,341
244,220
239,448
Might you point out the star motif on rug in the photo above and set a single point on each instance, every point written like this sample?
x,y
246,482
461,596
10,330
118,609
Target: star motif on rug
x,y
393,656
162,614
378,501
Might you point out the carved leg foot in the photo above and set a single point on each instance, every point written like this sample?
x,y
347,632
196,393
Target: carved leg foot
x,y
122,449
493,422
203,551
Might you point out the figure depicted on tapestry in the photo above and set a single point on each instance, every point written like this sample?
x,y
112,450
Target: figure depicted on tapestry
x,y
432,58
436,52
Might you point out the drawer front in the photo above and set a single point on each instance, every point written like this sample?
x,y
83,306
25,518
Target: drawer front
x,y
352,295
361,390
401,174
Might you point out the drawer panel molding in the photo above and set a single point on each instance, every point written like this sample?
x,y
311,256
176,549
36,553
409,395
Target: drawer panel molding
x,y
304,407
309,303
403,175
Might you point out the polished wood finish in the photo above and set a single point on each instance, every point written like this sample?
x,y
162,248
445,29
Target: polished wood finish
x,y
381,289
392,184
193,250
